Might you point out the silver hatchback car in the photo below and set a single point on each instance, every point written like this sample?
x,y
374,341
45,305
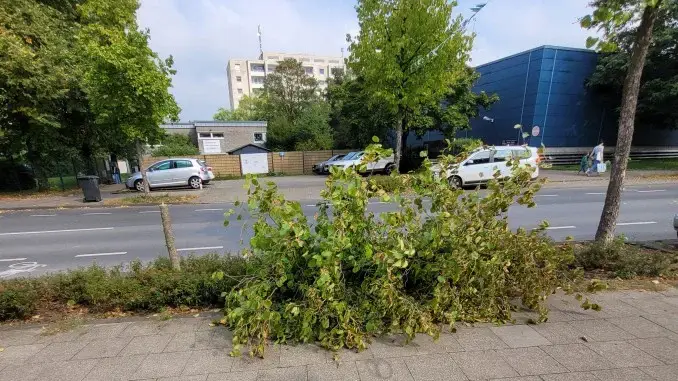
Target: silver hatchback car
x,y
173,173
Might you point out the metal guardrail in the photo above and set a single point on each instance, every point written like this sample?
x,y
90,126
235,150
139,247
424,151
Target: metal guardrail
x,y
565,158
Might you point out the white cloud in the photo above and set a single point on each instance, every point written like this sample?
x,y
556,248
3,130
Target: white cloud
x,y
203,35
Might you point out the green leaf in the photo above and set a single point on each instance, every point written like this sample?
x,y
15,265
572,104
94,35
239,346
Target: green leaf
x,y
375,139
591,42
525,134
586,22
518,126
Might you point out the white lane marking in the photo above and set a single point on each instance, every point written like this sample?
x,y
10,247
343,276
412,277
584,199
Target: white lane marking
x,y
12,259
598,193
651,191
209,210
56,231
561,227
311,205
150,211
101,254
96,214
43,215
201,248
637,223
547,195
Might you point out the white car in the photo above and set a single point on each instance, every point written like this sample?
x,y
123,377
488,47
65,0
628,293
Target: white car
x,y
480,165
354,159
173,173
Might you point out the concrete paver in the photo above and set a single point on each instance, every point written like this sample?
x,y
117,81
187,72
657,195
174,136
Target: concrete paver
x,y
637,344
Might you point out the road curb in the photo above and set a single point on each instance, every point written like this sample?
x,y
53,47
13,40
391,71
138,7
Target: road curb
x,y
92,206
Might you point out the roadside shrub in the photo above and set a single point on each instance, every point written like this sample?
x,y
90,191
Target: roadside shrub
x,y
151,287
353,274
622,259
389,184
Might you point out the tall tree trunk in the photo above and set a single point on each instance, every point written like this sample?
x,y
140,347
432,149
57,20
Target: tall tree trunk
x,y
144,175
608,219
399,143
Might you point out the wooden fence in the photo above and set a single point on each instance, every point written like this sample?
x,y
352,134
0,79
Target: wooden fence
x,y
290,163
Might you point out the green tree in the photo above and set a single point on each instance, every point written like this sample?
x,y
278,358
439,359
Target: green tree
x,y
249,108
309,132
289,90
36,69
658,93
176,145
353,120
409,52
612,17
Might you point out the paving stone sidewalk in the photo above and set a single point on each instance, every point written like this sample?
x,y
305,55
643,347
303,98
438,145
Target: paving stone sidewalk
x,y
634,338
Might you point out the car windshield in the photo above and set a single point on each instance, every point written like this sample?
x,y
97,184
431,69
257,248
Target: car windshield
x,y
350,155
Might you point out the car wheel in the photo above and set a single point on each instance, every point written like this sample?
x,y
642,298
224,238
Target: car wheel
x,y
389,169
194,182
139,185
455,182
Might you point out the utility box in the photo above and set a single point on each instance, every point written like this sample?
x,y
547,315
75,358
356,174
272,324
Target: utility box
x,y
90,188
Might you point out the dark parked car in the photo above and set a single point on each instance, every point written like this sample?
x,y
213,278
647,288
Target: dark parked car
x,y
323,167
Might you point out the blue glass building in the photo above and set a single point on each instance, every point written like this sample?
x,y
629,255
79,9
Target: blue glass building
x,y
544,90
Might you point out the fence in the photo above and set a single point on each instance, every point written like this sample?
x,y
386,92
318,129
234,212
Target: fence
x,y
288,163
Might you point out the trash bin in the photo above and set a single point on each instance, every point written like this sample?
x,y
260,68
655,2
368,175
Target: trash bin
x,y
90,188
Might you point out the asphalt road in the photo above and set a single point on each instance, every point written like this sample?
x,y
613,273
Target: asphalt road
x,y
41,241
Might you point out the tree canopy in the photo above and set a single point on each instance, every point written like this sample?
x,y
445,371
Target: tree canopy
x,y
78,80
409,53
659,84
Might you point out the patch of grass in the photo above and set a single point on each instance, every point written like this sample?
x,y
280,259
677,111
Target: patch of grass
x,y
626,261
153,287
152,199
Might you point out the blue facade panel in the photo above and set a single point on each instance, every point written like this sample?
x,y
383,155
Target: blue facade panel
x,y
545,87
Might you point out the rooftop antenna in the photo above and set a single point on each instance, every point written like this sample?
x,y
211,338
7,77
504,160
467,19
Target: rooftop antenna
x,y
261,49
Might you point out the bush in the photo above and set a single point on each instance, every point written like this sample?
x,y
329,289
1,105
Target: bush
x,y
152,287
176,145
389,184
625,261
349,274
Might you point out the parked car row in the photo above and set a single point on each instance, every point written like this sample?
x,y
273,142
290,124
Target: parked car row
x,y
353,159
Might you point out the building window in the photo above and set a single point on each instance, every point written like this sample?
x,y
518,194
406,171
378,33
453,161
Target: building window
x,y
239,91
211,135
238,79
259,137
308,70
273,57
258,68
318,60
322,71
306,60
237,67
258,80
271,68
334,61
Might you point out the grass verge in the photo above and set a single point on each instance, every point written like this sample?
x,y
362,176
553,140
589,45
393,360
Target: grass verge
x,y
156,200
153,287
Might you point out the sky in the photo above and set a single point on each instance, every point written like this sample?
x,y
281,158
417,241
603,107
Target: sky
x,y
202,35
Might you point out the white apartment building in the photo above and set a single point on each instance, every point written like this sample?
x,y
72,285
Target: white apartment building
x,y
246,77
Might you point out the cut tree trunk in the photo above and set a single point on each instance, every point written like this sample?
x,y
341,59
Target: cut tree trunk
x,y
399,143
169,237
629,101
